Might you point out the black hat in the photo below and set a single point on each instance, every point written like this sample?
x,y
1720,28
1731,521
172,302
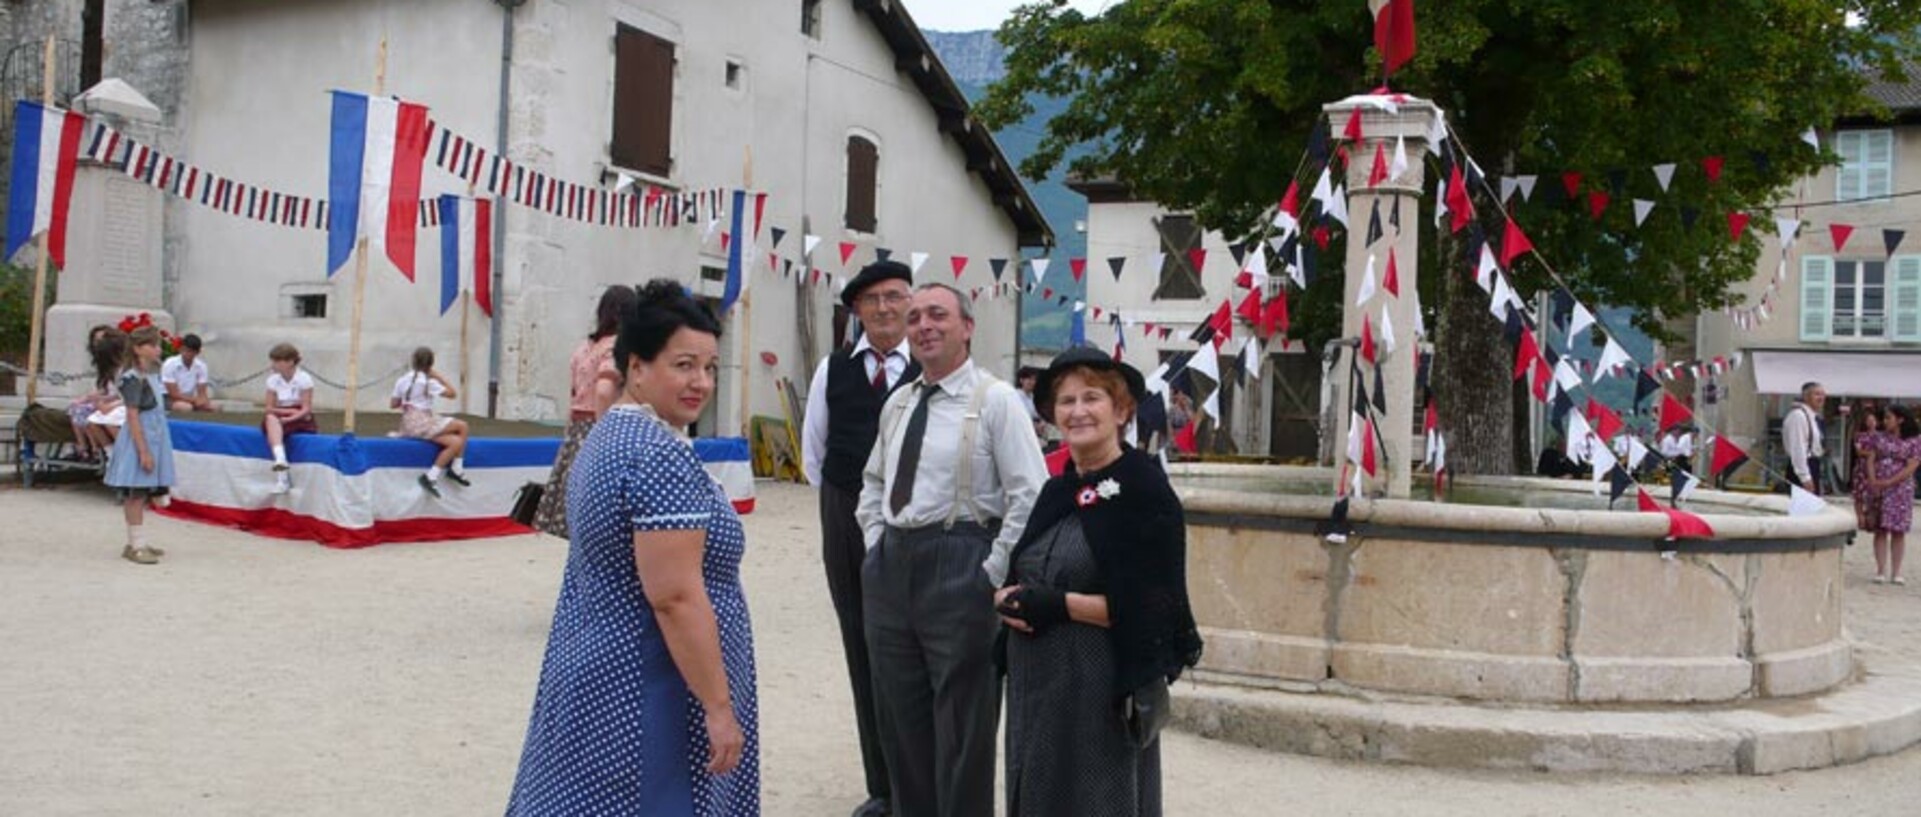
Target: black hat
x,y
1089,357
873,274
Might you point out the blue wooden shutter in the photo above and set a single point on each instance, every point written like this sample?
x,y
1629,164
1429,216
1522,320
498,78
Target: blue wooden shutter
x,y
1817,298
1904,300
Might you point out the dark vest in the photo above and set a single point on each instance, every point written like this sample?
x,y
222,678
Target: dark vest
x,y
853,417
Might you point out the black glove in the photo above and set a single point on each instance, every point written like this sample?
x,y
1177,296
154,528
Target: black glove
x,y
1040,607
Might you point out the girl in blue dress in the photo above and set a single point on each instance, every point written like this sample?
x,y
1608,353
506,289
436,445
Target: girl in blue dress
x,y
141,467
647,702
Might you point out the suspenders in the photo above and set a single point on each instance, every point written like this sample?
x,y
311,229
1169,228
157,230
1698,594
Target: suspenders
x,y
970,426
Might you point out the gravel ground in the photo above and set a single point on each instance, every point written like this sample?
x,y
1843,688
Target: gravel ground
x,y
250,676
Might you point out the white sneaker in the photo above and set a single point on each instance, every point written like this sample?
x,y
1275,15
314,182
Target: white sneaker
x,y
160,500
281,484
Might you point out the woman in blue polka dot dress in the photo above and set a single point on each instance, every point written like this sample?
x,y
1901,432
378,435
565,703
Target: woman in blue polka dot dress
x,y
647,696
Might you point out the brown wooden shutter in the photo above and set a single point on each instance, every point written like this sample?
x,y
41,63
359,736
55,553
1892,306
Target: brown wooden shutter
x,y
643,102
1179,279
863,169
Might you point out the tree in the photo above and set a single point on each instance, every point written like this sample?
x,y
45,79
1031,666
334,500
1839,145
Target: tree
x,y
1205,105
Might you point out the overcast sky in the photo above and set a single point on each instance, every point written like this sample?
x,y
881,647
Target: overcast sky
x,y
970,15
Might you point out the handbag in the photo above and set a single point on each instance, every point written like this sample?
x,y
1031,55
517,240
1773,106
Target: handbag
x,y
527,503
1144,711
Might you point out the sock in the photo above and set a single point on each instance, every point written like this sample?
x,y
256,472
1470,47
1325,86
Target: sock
x,y
136,536
280,455
460,465
433,474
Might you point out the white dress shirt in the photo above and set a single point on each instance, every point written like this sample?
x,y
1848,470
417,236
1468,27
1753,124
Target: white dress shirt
x,y
813,437
1801,436
1007,468
1677,445
175,372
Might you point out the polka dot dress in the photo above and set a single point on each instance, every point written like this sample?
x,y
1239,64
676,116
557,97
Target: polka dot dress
x,y
615,729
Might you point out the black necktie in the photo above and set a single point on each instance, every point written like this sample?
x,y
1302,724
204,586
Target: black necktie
x,y
910,453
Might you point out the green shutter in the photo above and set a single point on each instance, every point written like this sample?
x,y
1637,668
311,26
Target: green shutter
x,y
1817,300
1904,300
1847,176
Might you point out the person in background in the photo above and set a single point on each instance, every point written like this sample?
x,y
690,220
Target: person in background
x,y
843,417
1025,380
594,383
647,701
289,409
1095,608
1867,503
1677,447
1801,438
107,349
1897,453
142,466
185,376
414,395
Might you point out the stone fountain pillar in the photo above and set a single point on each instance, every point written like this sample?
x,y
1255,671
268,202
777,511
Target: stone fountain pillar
x,y
1410,122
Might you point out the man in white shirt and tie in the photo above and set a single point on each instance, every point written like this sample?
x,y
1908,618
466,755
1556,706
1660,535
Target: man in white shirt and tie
x,y
944,497
843,415
1801,436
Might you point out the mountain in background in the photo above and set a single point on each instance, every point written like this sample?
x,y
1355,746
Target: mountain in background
x,y
976,60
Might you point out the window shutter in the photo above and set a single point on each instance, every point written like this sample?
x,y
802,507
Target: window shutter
x,y
1847,177
1877,175
863,177
643,102
1817,302
1904,300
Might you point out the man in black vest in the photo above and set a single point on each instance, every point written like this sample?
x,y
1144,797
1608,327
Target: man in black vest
x,y
843,417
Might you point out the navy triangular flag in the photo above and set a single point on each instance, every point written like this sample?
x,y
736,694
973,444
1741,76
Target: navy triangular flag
x,y
1374,224
999,266
1394,216
1514,327
778,235
1561,307
1689,215
1892,238
1239,249
1644,386
1760,160
1116,264
1618,182
882,253
1618,482
1317,142
1563,403
1380,391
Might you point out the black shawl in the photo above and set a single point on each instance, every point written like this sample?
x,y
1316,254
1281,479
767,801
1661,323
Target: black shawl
x,y
1139,539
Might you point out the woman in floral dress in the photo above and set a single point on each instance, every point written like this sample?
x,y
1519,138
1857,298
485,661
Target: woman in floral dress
x,y
1897,452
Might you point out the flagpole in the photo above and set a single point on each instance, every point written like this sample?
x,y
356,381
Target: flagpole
x,y
746,300
38,324
360,270
464,297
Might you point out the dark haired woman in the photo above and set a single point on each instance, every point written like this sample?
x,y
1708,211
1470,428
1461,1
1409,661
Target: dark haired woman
x,y
647,694
1095,608
1867,503
594,384
107,350
1897,452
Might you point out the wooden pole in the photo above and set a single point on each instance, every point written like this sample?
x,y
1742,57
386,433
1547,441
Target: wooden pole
x,y
360,270
37,327
746,304
463,350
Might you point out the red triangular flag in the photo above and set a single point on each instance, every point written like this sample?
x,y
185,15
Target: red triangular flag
x,y
1274,315
1250,307
1321,236
1079,266
1367,340
1712,166
1597,203
1378,173
960,263
1672,412
1460,208
1291,202
1840,233
846,252
725,241
1184,439
1572,182
1727,456
1606,422
1737,224
1222,322
1367,451
1047,293
1197,257
1684,525
1392,283
1543,375
1525,354
1353,129
1644,502
1513,243
1394,33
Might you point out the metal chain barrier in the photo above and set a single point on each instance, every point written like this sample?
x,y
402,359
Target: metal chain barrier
x,y
63,378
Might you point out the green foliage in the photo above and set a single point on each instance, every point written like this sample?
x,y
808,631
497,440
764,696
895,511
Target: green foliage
x,y
16,308
1205,105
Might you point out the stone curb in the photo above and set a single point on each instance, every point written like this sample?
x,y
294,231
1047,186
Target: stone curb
x,y
1877,715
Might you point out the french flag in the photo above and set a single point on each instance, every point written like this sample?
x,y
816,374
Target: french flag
x,y
736,252
373,178
466,250
45,143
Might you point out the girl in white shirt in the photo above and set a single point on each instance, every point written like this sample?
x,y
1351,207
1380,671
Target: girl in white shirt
x,y
414,395
289,408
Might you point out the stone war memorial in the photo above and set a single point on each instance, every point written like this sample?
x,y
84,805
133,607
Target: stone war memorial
x,y
1520,623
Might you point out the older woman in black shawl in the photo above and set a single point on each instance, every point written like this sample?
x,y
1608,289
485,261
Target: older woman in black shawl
x,y
1095,608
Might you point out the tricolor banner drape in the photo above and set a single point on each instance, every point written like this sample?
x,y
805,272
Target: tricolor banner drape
x,y
373,178
45,143
466,251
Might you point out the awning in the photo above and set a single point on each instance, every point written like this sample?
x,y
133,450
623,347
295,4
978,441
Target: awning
x,y
1854,374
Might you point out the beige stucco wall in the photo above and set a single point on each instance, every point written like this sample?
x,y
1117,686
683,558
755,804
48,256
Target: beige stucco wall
x,y
257,109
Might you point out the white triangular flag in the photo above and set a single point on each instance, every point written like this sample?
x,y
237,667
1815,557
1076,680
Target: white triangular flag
x,y
1212,405
1160,260
807,249
1803,502
1503,297
1787,229
1369,284
1642,207
1157,379
1689,483
1566,377
1578,325
1440,200
1356,433
1420,323
1527,186
1040,269
915,260
1206,360
1812,138
1256,266
1612,355
1297,268
1636,453
1323,190
1578,435
709,234
1080,306
1436,131
1387,332
1397,166
1603,460
1337,206
1664,174
1251,357
1509,186
1484,271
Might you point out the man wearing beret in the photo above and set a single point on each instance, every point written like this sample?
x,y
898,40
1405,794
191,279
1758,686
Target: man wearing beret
x,y
843,416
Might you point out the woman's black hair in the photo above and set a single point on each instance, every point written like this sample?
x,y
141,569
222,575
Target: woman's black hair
x,y
1909,428
614,303
662,308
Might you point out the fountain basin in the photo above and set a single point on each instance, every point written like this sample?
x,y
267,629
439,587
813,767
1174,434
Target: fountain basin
x,y
1528,592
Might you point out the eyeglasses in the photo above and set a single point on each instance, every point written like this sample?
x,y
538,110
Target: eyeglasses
x,y
877,298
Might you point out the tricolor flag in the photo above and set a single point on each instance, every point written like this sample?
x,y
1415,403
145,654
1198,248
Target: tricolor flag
x,y
1393,32
736,270
373,178
466,250
45,143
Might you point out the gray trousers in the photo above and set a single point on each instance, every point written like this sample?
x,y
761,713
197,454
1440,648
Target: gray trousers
x,y
842,549
930,634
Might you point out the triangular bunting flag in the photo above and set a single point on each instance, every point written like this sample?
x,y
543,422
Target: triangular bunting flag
x,y
1078,266
1460,209
1397,166
1513,243
1337,207
1672,414
1839,233
1369,284
807,246
1374,225
1642,207
846,252
1711,166
1737,224
1115,265
915,260
1039,265
1392,282
1664,175
1597,203
1197,257
1378,173
1527,186
1352,131
1892,239
1726,457
1571,181
1367,341
999,266
883,253
778,234
959,265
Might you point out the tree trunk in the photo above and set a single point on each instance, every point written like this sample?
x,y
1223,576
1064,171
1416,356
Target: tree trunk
x,y
1472,378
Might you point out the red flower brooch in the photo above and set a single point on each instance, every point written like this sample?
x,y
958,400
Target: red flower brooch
x,y
1090,494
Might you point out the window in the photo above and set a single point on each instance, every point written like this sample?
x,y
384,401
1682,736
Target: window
x,y
1867,164
1858,299
863,177
712,273
310,305
643,102
810,18
1179,279
736,74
